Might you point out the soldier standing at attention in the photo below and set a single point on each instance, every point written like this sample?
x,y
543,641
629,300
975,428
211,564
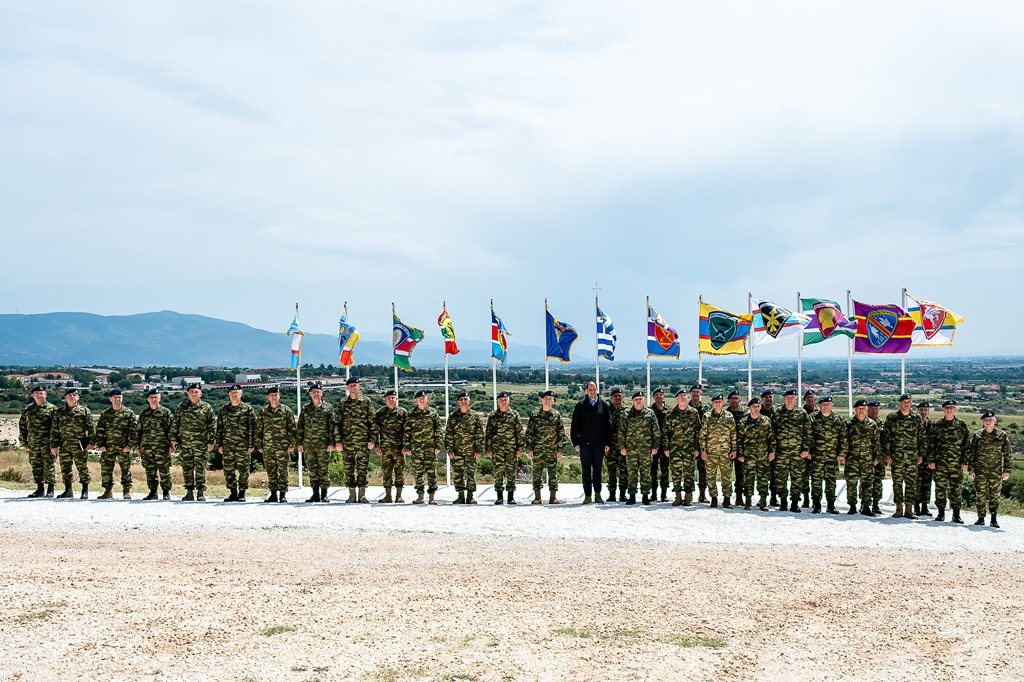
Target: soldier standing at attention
x,y
195,428
988,456
464,442
640,438
768,410
315,434
355,429
862,452
503,441
810,408
878,474
70,435
545,438
718,448
924,470
390,426
614,461
34,432
828,444
422,442
904,445
235,441
590,433
115,437
792,447
155,429
702,474
738,413
275,438
681,441
950,438
755,444
659,460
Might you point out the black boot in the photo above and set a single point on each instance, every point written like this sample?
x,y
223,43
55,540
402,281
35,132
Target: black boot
x,y
632,499
152,494
817,507
323,494
49,490
167,494
273,496
241,494
315,497
956,515
461,499
664,493
67,494
853,510
500,499
85,491
233,497
282,496
875,510
993,523
866,511
39,491
924,511
794,507
714,502
200,495
980,521
831,508
646,499
189,494
940,512
807,501
611,494
511,499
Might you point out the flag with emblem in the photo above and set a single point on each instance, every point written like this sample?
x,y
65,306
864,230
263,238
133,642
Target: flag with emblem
x,y
882,328
773,323
605,336
404,338
933,324
662,340
721,332
347,337
827,320
296,334
560,337
499,340
444,321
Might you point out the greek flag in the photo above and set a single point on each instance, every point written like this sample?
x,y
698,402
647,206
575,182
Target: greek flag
x,y
605,336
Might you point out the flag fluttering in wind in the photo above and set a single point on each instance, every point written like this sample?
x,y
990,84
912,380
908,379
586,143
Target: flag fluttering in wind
x,y
605,336
444,321
827,321
405,339
773,323
499,342
933,324
882,328
347,337
296,334
662,340
560,337
722,332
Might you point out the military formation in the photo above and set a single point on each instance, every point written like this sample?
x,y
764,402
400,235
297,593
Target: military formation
x,y
787,457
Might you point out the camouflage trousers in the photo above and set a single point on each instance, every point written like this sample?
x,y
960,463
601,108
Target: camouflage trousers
x,y
464,472
702,474
659,461
357,461
276,463
949,483
719,467
877,476
424,466
859,473
43,465
756,473
193,460
773,480
123,460
392,467
790,471
824,471
318,463
80,458
615,472
236,468
924,483
989,485
904,480
157,463
684,468
638,465
542,461
808,476
505,466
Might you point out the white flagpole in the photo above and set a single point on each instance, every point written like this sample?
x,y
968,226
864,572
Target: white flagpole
x,y
298,399
799,357
494,366
903,356
597,343
447,460
648,313
700,356
347,368
750,350
849,359
547,382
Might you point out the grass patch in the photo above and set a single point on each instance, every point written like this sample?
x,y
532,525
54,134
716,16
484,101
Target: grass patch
x,y
588,633
277,630
299,668
11,474
44,611
689,641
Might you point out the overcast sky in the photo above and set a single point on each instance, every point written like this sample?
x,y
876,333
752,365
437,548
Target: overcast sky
x,y
231,158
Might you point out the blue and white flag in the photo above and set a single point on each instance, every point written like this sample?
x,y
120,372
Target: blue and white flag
x,y
605,336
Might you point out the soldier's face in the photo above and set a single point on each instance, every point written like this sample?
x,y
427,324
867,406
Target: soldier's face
x,y
659,398
71,399
755,410
194,394
316,395
463,404
949,411
592,390
717,404
421,402
638,402
154,401
681,400
809,400
617,400
353,391
391,401
235,397
989,423
826,408
115,401
923,411
872,411
274,398
905,406
767,401
503,403
547,401
734,402
861,412
695,396
790,401
39,397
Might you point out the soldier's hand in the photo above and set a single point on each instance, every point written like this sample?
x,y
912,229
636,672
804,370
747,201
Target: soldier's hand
x,y
558,455
476,455
623,452
406,452
378,451
126,450
668,453
696,454
771,456
842,460
450,456
249,450
330,448
732,455
102,449
888,460
174,445
437,451
576,448
220,450
209,447
300,449
919,461
704,455
972,474
339,447
519,453
53,451
932,466
607,448
805,454
1006,477
529,453
490,454
742,459
654,451
370,445
964,467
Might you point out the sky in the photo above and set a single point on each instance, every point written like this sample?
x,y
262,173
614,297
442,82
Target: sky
x,y
231,159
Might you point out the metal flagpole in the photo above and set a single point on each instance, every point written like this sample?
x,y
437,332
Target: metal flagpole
x,y
494,364
800,357
750,353
597,343
298,399
447,460
347,368
648,312
700,356
849,360
547,381
903,356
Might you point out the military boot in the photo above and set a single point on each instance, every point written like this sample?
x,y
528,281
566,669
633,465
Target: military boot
x,y
553,499
282,496
85,491
351,496
362,495
167,494
461,499
899,512
646,499
152,493
817,507
688,499
924,511
664,493
623,494
587,499
108,494
499,497
611,494
775,500
597,497
940,512
761,503
714,502
875,510
189,495
315,497
831,508
419,497
469,498
387,496
678,502
200,494
993,523
727,502
38,492
233,497
807,501
49,490
703,498
273,496
631,499
511,499
908,512
956,515
536,496
398,495
430,498
323,494
980,520
866,511
747,504
241,494
66,494
794,507
127,494
852,510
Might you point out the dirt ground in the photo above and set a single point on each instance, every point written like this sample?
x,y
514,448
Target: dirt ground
x,y
312,604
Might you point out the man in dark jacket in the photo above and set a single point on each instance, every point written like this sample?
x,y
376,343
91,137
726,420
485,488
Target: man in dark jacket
x,y
591,435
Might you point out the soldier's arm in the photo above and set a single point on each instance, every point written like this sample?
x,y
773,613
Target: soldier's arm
x,y
23,430
479,436
100,440
1007,458
218,432
965,441
55,432
449,434
438,441
211,426
250,431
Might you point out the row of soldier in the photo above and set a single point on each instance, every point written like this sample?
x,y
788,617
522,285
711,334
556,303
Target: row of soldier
x,y
779,452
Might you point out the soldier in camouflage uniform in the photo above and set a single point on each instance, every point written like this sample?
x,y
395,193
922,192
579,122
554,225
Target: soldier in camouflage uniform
x,y
925,469
545,438
615,461
990,462
316,435
792,447
355,429
390,425
235,441
733,407
828,444
115,438
681,442
702,474
768,410
70,435
34,432
810,408
195,428
464,443
950,438
717,449
878,471
862,452
905,447
640,438
755,445
503,441
275,439
155,428
660,460
422,443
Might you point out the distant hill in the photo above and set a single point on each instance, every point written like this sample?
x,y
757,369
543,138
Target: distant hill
x,y
170,338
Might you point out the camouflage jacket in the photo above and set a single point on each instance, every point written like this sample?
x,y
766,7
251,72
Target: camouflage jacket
x,y
116,430
929,456
315,429
154,429
355,424
828,436
545,432
275,428
792,431
862,440
989,453
390,427
236,427
616,415
904,436
464,433
639,431
504,433
660,413
194,425
681,434
35,424
718,433
755,438
949,441
423,433
72,428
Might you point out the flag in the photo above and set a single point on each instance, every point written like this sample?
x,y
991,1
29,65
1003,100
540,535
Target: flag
x,y
499,344
827,319
347,337
933,324
773,323
560,337
444,321
296,334
662,340
882,328
405,339
605,336
722,332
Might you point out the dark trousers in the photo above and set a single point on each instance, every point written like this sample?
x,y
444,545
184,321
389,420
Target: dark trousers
x,y
659,461
740,485
591,459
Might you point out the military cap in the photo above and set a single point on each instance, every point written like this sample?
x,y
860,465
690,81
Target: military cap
x,y
235,387
351,380
752,402
461,395
659,390
949,403
791,391
420,393
390,392
681,391
924,403
766,392
547,394
696,387
315,386
113,392
36,387
732,393
861,403
988,413
638,394
273,389
873,403
615,390
905,396
717,396
195,385
503,394
825,399
70,390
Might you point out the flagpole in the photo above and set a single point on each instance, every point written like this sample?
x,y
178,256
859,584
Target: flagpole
x,y
849,359
903,356
799,356
547,386
700,356
648,313
494,365
750,351
444,306
597,344
298,399
395,366
347,368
